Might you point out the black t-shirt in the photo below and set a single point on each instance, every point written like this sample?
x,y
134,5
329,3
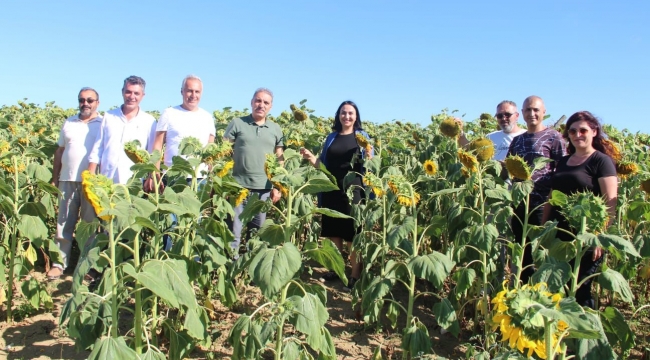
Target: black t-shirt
x,y
572,179
339,158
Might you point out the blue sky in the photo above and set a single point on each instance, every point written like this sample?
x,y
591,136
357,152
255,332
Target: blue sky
x,y
395,59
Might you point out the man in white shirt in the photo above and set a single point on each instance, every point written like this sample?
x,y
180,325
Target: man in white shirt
x,y
126,123
507,117
76,140
181,121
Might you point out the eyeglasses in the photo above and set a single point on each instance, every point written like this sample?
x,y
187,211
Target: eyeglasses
x,y
582,131
88,100
505,115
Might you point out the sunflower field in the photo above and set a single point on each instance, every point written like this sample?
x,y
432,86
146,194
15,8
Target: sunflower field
x,y
434,233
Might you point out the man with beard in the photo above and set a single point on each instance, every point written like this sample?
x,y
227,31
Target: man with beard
x,y
76,140
126,123
254,136
537,141
507,117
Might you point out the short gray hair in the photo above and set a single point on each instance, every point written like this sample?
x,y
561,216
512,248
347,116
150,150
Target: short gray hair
x,y
189,77
134,80
264,90
507,102
86,88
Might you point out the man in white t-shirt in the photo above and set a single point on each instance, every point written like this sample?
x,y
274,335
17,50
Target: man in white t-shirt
x,y
76,140
126,123
181,121
507,117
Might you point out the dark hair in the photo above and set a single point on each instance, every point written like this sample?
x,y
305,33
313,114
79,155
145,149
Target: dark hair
x,y
337,119
134,80
599,141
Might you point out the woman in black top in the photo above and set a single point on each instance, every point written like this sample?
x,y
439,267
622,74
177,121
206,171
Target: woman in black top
x,y
588,167
341,155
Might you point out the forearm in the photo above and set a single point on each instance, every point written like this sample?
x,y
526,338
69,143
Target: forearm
x,y
92,167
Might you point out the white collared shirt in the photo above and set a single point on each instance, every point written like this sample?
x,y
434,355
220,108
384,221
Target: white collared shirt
x,y
115,131
77,138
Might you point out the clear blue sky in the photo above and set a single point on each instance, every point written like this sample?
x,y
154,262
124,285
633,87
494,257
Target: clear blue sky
x,y
395,59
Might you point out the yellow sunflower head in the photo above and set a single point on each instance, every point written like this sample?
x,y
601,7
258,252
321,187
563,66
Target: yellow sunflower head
x,y
430,167
409,200
626,168
450,127
483,148
226,168
362,140
243,194
135,153
518,168
95,187
468,160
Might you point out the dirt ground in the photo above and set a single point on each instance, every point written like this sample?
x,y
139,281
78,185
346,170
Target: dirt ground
x,y
39,336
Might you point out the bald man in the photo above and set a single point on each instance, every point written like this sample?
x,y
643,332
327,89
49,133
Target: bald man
x,y
537,141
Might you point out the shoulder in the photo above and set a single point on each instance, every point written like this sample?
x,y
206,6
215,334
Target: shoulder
x,y
273,124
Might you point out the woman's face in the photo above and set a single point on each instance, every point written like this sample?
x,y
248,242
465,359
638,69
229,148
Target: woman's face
x,y
347,116
581,135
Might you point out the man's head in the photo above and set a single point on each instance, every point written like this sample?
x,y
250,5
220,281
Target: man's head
x,y
534,112
191,89
133,91
261,103
507,116
88,102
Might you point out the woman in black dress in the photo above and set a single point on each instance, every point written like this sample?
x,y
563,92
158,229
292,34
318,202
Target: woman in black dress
x,y
588,167
339,150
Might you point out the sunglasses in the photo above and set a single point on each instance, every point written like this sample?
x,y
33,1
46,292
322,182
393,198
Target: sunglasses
x,y
582,131
504,115
88,100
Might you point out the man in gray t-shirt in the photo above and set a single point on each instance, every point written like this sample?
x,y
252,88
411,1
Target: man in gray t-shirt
x,y
253,137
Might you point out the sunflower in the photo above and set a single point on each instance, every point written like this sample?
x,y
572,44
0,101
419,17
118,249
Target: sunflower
x,y
94,187
243,194
408,200
293,107
430,167
271,165
468,160
4,146
379,192
483,148
297,143
362,140
226,168
300,115
393,187
450,127
283,190
465,172
213,152
135,153
518,168
8,166
485,116
626,168
512,317
417,136
645,269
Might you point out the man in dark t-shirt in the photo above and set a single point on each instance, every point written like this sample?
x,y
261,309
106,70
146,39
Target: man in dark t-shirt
x,y
536,142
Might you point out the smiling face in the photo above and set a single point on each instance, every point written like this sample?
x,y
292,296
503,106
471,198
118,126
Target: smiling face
x,y
261,104
88,103
582,135
534,112
507,117
192,91
347,116
132,95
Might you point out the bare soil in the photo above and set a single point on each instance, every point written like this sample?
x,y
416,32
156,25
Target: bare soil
x,y
38,335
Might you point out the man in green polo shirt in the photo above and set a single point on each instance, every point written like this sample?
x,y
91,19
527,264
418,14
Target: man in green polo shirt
x,y
253,137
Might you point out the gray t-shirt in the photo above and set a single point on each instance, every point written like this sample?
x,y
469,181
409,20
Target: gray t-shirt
x,y
251,144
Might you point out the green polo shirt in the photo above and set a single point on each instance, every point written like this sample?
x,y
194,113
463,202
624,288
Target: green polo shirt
x,y
251,144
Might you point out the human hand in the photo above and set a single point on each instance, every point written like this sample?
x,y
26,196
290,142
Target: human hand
x,y
275,195
598,253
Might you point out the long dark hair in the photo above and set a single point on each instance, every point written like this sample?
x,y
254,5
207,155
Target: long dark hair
x,y
337,119
599,142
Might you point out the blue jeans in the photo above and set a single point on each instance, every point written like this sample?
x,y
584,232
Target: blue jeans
x,y
236,224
